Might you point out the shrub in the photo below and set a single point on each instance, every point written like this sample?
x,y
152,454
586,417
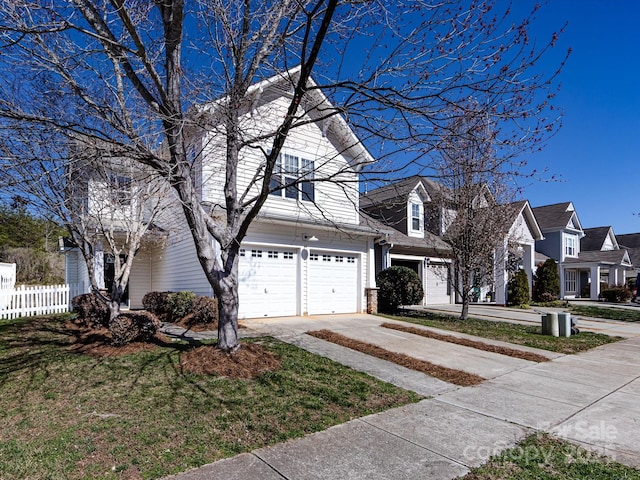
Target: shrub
x,y
205,310
133,327
180,304
617,294
156,302
547,284
398,286
91,310
518,289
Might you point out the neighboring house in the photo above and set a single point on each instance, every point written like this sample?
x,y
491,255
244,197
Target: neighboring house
x,y
631,243
417,225
586,258
296,259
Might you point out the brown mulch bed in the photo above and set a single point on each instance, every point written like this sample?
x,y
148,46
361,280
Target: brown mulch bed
x,y
511,352
188,324
457,377
97,342
249,361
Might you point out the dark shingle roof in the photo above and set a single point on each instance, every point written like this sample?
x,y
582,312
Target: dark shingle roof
x,y
608,256
554,216
631,240
634,256
430,241
399,190
594,238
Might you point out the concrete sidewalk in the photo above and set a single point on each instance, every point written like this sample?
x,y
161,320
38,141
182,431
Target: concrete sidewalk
x,y
590,398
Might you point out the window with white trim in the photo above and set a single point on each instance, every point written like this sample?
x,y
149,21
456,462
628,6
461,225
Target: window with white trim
x,y
570,280
416,221
293,178
570,246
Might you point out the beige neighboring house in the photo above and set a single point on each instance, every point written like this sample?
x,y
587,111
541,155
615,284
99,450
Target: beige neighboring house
x,y
413,238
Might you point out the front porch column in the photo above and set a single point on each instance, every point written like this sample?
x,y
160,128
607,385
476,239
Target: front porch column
x,y
98,265
528,261
595,283
500,273
562,284
386,256
614,276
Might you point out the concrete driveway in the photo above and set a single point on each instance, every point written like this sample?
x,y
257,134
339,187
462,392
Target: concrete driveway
x,y
589,398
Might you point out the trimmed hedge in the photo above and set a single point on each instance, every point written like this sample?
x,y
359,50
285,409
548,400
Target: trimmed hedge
x,y
617,294
91,310
518,289
398,286
133,327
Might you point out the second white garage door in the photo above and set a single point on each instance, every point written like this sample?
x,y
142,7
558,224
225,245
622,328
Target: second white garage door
x,y
437,285
332,284
268,282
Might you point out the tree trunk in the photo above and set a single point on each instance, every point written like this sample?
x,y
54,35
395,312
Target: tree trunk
x,y
227,294
464,314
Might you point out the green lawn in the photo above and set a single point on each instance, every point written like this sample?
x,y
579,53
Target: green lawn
x,y
69,415
542,457
528,335
611,313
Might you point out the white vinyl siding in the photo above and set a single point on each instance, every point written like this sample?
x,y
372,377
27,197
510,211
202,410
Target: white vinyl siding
x,y
338,201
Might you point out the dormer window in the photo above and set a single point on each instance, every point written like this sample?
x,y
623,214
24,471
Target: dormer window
x,y
416,219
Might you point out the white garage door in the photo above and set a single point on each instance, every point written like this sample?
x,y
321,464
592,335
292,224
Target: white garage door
x,y
268,282
332,283
437,284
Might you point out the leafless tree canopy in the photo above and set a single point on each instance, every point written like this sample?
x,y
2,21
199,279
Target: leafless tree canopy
x,y
141,77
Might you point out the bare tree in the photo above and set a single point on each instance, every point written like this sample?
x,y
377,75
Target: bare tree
x,y
127,73
106,203
472,210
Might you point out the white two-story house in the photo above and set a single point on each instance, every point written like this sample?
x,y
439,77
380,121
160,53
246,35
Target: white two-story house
x,y
307,252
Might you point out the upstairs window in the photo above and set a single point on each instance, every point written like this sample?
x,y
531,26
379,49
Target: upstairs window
x,y
293,178
120,190
415,217
570,246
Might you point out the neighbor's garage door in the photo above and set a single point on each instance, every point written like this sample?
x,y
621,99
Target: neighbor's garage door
x,y
332,284
437,278
268,282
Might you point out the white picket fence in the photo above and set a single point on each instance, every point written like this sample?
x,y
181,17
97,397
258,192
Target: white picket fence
x,y
26,301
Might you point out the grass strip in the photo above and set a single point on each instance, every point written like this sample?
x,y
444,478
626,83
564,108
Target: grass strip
x,y
511,352
544,457
528,335
620,314
451,375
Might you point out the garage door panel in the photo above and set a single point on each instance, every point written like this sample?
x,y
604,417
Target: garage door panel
x,y
268,282
437,285
332,283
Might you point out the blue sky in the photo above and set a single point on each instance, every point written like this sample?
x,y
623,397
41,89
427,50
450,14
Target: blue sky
x,y
597,151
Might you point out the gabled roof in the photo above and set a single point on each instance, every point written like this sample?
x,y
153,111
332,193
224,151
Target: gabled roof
x,y
594,238
610,257
557,217
510,213
634,256
630,240
430,242
318,107
397,190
